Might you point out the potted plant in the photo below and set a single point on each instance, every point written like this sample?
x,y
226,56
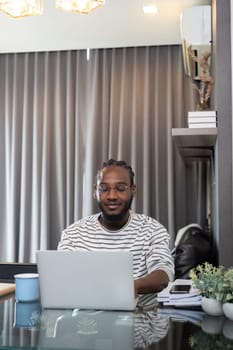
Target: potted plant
x,y
208,280
227,296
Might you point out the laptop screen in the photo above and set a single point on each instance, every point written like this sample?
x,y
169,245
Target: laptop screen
x,y
86,279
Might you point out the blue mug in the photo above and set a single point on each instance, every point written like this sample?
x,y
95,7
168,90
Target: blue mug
x,y
27,287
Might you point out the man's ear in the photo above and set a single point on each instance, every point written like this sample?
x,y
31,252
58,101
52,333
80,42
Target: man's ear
x,y
133,190
94,191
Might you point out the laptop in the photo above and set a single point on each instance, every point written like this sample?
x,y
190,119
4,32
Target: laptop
x,y
101,280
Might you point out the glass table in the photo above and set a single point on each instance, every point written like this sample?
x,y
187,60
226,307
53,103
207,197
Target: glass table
x,y
26,326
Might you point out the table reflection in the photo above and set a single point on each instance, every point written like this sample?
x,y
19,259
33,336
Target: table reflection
x,y
101,329
149,328
215,333
27,314
86,329
27,326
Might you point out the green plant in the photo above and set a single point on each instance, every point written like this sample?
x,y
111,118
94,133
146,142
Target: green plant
x,y
208,280
227,296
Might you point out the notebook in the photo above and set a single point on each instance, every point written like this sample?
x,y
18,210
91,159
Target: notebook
x,y
101,280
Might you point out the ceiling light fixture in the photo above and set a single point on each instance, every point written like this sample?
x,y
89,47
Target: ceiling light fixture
x,y
80,6
21,8
150,9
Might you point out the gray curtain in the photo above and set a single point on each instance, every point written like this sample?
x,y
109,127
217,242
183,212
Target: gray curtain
x,y
61,116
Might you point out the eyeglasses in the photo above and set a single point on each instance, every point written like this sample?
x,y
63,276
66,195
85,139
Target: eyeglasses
x,y
118,188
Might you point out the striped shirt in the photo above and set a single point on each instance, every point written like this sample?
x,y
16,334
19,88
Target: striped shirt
x,y
142,235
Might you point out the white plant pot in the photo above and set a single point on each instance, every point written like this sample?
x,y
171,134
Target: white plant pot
x,y
228,310
212,306
228,329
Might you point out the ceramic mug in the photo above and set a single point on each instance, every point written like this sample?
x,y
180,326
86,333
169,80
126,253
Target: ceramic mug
x,y
27,287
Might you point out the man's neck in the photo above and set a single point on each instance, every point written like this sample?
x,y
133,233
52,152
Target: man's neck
x,y
113,225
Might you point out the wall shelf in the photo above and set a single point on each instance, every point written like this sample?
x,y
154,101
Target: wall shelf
x,y
195,143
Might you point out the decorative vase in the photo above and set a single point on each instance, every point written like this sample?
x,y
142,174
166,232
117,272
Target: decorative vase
x,y
228,329
212,306
228,310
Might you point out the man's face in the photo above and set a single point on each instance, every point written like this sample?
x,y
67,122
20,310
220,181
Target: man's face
x,y
114,194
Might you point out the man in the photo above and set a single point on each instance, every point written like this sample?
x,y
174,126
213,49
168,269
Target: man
x,y
117,227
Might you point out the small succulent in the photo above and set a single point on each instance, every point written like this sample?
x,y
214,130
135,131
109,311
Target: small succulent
x,y
208,280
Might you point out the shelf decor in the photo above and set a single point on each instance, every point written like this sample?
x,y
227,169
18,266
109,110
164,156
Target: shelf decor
x,y
203,84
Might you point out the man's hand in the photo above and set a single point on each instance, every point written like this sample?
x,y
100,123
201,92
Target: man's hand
x,y
152,283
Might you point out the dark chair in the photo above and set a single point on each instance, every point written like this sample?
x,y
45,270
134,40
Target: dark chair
x,y
193,246
8,270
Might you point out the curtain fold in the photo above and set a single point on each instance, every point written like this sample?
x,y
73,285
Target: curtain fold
x,y
62,115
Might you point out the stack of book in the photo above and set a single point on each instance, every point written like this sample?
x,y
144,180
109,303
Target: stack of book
x,y
190,299
202,119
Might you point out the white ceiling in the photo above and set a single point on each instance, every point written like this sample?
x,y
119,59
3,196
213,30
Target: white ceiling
x,y
119,23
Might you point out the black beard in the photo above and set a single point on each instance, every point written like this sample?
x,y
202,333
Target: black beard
x,y
115,218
